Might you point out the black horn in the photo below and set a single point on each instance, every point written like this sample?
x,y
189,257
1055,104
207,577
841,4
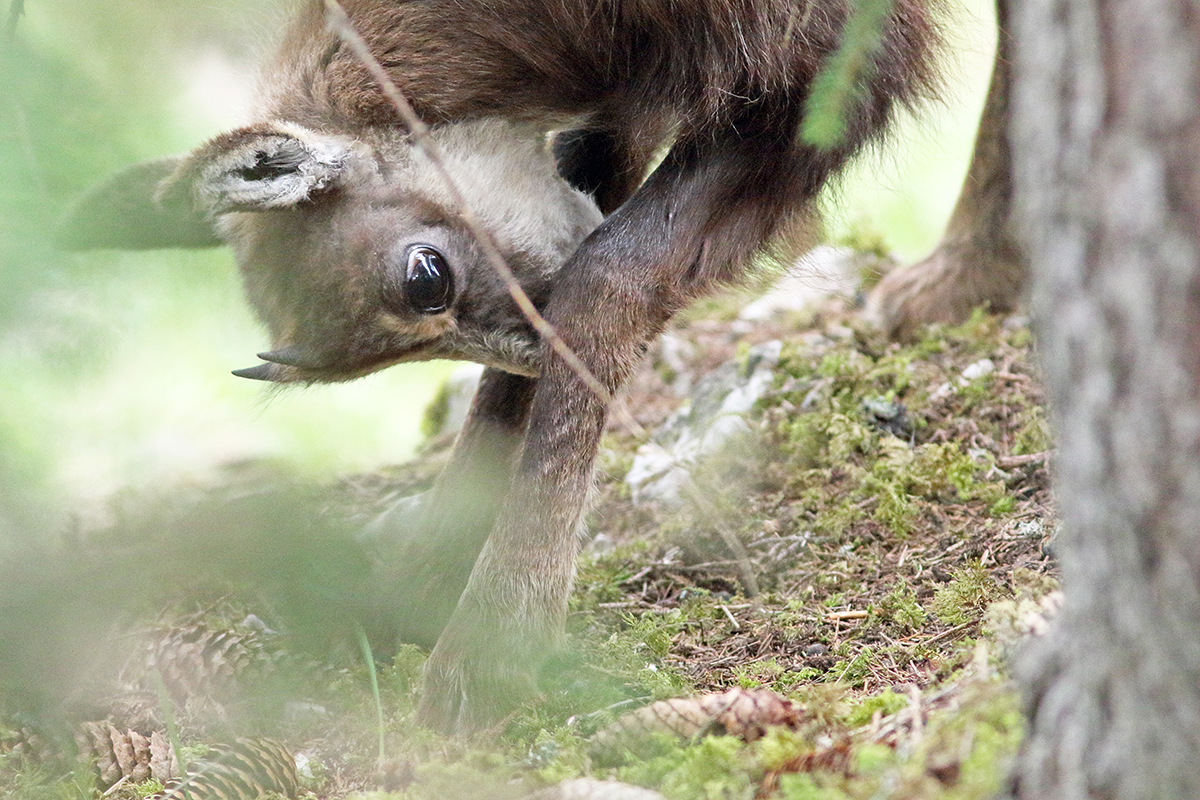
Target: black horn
x,y
290,356
263,372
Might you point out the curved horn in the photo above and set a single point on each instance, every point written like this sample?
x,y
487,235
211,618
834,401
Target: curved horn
x,y
290,356
263,372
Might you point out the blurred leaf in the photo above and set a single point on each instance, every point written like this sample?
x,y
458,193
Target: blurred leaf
x,y
839,85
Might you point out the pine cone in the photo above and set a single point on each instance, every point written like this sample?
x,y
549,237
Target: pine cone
x,y
243,770
737,712
125,754
197,661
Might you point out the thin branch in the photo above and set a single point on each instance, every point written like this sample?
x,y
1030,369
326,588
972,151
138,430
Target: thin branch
x,y
341,25
339,22
1008,462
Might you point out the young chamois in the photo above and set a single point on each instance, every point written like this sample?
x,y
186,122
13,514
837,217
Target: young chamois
x,y
355,261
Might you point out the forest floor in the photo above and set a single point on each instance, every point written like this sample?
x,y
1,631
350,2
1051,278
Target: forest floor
x,y
830,609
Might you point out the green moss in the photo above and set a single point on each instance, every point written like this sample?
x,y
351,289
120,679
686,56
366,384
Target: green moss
x,y
801,786
1034,435
634,654
862,236
149,788
806,440
474,776
996,732
600,578
886,703
834,599
939,468
852,672
837,519
847,438
758,673
978,334
1002,505
780,747
874,758
558,755
655,631
1030,585
21,779
901,609
714,768
965,597
399,680
893,506
1020,337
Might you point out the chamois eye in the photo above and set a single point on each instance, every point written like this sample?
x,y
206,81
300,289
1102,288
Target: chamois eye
x,y
428,282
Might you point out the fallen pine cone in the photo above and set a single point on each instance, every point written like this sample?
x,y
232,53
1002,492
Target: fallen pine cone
x,y
745,713
244,770
126,754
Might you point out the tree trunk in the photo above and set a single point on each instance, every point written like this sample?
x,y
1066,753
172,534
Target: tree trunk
x,y
1106,142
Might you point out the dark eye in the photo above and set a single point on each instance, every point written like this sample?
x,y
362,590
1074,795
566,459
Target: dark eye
x,y
428,283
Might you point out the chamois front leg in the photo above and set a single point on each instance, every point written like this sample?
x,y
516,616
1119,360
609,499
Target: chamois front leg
x,y
511,613
694,224
425,562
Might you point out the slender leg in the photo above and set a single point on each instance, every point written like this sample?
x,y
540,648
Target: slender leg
x,y
426,560
427,557
695,223
978,261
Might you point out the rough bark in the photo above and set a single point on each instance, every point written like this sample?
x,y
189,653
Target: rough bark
x,y
1106,141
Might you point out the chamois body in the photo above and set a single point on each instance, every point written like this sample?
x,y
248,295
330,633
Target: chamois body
x,y
355,260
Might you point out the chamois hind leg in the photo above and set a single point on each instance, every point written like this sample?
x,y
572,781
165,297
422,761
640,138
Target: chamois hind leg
x,y
978,262
424,561
695,223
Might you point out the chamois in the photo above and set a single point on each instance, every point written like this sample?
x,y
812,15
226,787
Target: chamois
x,y
680,119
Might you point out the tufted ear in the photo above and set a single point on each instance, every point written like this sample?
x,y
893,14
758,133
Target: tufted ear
x,y
262,167
172,202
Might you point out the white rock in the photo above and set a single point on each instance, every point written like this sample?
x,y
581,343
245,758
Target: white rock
x,y
713,417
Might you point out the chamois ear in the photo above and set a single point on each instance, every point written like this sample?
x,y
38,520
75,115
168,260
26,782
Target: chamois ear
x,y
172,202
124,213
266,166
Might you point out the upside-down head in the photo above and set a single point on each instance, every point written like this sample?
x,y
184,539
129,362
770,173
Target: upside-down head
x,y
351,248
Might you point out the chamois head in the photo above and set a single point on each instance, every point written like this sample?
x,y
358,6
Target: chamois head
x,y
350,248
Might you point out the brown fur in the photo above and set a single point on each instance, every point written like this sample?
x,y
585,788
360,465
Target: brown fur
x,y
322,196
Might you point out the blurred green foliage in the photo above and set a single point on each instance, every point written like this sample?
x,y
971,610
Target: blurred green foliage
x,y
116,365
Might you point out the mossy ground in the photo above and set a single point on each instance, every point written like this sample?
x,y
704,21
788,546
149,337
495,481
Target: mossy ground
x,y
892,510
